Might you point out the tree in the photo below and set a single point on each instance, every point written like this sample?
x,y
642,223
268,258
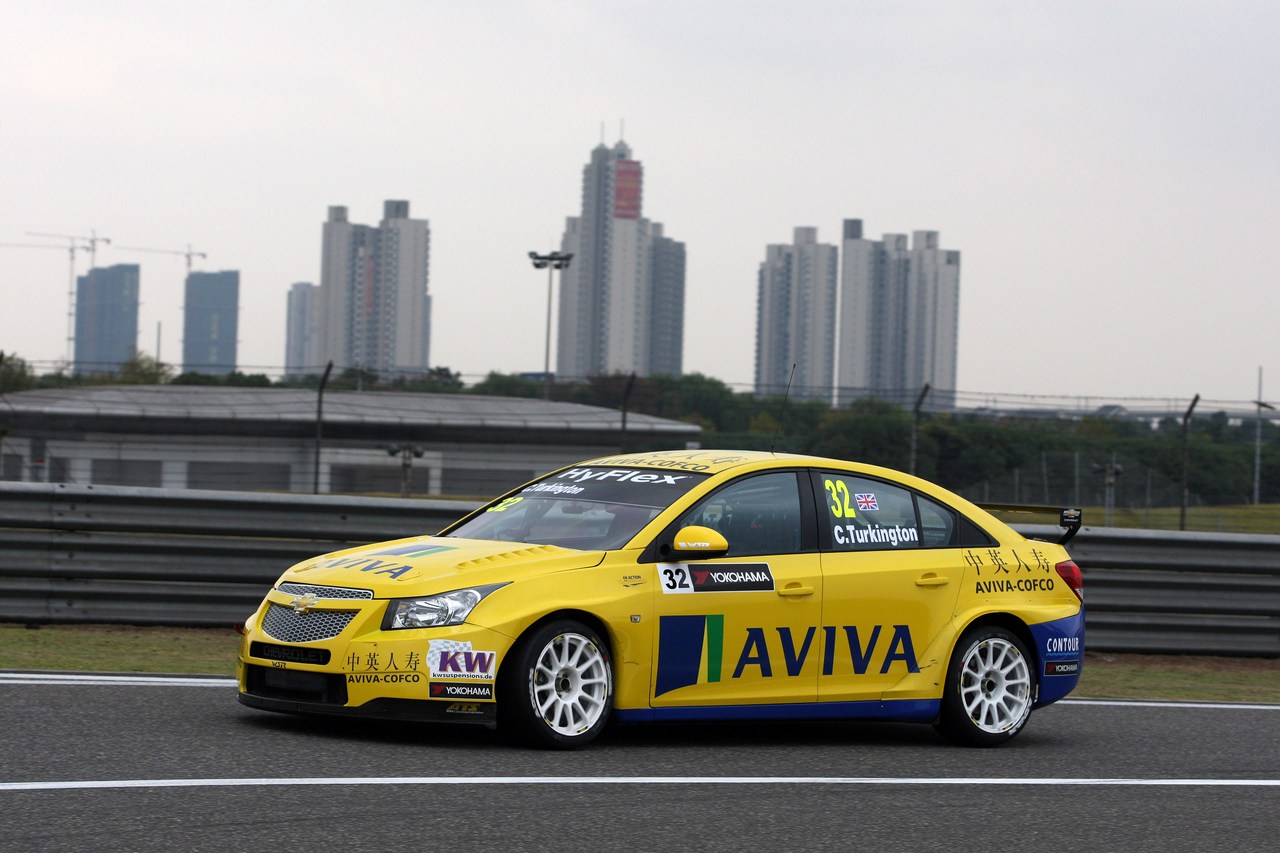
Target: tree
x,y
437,380
15,374
508,385
144,369
870,430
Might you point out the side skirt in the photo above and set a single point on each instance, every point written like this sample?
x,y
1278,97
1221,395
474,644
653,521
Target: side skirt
x,y
899,710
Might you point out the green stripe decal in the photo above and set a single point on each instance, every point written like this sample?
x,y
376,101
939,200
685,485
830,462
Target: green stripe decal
x,y
715,646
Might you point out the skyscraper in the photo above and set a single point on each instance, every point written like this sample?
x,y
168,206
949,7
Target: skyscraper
x,y
666,317
210,323
301,330
106,318
899,317
374,306
622,298
796,318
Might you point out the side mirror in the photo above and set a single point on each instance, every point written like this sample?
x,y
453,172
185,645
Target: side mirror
x,y
699,543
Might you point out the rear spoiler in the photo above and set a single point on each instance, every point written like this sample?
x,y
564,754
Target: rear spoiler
x,y
1069,518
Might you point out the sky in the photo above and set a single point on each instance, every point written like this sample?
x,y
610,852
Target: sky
x,y
1109,171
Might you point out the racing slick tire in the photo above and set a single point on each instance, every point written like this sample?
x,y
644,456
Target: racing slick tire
x,y
556,690
990,688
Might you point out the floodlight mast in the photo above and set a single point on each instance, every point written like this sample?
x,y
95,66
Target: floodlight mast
x,y
550,262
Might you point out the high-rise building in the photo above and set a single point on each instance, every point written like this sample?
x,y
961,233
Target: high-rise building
x,y
375,311
301,338
210,322
622,297
666,319
899,317
796,318
106,318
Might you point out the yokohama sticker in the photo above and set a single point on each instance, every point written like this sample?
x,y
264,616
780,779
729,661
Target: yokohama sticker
x,y
679,578
447,690
1061,667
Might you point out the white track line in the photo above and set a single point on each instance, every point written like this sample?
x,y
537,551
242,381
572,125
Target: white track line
x,y
214,681
117,680
1155,703
633,780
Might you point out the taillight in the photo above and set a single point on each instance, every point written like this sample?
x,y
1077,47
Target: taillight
x,y
1070,573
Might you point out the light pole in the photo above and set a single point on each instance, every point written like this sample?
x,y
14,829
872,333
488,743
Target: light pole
x,y
915,426
551,262
324,380
1110,472
1257,444
406,452
1186,460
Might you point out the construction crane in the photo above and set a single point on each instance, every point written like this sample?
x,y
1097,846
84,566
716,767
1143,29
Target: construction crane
x,y
189,253
75,243
91,242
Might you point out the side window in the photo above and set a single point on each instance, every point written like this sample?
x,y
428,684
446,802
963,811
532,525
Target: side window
x,y
867,515
757,515
937,524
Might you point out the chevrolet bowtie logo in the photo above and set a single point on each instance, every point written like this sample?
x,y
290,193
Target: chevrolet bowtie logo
x,y
303,603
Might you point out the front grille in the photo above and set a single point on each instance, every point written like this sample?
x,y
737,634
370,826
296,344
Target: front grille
x,y
288,626
296,686
296,654
336,592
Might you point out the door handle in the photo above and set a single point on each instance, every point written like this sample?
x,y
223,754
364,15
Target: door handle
x,y
932,580
796,590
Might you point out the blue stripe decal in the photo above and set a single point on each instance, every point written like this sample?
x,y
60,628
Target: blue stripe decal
x,y
680,641
1059,653
900,710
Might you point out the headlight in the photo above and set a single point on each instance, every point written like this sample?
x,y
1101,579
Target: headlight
x,y
435,611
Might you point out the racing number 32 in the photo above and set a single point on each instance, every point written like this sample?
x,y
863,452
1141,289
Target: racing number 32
x,y
840,499
676,579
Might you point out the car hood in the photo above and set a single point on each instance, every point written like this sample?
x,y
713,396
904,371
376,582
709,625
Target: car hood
x,y
430,564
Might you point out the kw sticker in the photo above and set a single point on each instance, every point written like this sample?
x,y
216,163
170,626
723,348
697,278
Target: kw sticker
x,y
455,660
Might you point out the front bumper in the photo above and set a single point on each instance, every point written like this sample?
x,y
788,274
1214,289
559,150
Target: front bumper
x,y
336,659
294,692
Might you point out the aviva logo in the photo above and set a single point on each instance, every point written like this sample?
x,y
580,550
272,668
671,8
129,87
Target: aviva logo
x,y
691,650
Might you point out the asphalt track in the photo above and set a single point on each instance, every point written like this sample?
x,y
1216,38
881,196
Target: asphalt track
x,y
177,764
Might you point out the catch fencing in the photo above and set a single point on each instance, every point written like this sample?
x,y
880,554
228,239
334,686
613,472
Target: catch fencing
x,y
110,554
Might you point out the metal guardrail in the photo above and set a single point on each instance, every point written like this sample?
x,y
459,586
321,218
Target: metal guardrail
x,y
74,553
1164,591
113,554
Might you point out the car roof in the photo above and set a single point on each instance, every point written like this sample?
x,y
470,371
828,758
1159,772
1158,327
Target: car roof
x,y
714,462
704,461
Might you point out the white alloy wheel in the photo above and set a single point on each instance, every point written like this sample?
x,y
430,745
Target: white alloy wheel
x,y
995,685
990,688
556,688
569,684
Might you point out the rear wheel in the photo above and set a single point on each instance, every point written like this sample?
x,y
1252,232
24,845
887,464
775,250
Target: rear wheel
x,y
556,690
990,688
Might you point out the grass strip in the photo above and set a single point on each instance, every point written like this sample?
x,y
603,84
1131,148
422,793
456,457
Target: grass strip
x,y
212,651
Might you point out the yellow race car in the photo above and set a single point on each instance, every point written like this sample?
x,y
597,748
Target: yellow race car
x,y
684,585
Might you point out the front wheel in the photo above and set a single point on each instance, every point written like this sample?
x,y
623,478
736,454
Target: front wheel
x,y
990,688
556,690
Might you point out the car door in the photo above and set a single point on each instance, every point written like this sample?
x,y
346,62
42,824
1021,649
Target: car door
x,y
890,582
743,628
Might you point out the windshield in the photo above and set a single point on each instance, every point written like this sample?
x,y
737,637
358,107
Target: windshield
x,y
588,508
